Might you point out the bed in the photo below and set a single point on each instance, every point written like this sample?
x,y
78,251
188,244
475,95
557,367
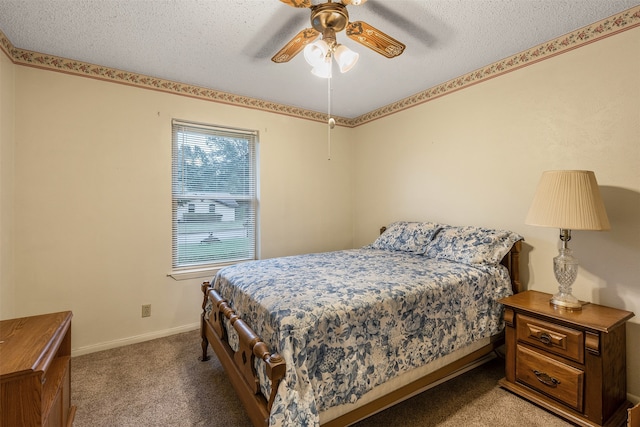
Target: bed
x,y
331,338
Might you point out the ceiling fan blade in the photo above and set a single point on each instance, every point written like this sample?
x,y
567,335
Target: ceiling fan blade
x,y
297,43
297,3
374,39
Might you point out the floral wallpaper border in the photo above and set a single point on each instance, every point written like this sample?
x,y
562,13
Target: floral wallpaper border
x,y
607,27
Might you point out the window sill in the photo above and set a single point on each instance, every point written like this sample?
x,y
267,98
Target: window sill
x,y
203,272
198,273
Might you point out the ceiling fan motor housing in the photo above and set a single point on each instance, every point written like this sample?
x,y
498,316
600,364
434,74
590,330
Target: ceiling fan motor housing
x,y
332,16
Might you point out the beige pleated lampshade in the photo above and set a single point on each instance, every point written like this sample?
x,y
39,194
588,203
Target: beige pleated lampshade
x,y
568,200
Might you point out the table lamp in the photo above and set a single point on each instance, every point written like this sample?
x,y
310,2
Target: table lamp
x,y
568,200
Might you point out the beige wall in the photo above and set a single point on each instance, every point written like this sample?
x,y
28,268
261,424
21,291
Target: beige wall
x,y
475,157
93,201
7,104
92,223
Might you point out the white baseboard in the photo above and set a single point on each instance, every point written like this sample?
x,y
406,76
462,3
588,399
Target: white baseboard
x,y
133,340
633,398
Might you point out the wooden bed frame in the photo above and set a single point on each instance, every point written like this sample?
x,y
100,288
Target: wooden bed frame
x,y
239,365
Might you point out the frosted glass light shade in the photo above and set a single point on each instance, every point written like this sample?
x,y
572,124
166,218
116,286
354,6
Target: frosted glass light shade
x,y
569,200
322,69
316,53
346,58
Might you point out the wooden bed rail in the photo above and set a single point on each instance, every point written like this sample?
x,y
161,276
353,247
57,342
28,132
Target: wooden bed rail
x,y
250,344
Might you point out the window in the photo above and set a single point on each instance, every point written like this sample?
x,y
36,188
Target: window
x,y
214,195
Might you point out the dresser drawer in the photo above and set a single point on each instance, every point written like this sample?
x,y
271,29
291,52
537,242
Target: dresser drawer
x,y
556,339
555,379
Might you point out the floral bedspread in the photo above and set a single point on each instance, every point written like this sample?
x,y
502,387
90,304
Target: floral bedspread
x,y
348,321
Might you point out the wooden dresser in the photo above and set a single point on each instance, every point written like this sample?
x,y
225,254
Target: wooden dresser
x,y
35,377
572,363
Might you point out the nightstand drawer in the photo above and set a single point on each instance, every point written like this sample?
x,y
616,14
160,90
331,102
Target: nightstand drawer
x,y
556,339
555,379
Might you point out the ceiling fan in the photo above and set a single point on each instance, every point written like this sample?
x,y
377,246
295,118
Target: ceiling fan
x,y
330,18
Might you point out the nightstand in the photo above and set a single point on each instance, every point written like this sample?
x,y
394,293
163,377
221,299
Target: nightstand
x,y
572,363
35,377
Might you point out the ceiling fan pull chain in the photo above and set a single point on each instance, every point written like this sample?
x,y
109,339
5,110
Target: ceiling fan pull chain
x,y
329,143
331,122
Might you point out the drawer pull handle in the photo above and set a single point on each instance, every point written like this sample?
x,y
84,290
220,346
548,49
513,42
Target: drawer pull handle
x,y
545,338
546,379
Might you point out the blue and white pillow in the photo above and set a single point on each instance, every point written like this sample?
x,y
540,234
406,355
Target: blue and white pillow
x,y
471,245
405,236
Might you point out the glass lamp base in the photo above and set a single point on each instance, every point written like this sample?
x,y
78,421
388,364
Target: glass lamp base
x,y
565,268
565,300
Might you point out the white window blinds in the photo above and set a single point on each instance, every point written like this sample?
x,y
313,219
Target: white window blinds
x,y
214,195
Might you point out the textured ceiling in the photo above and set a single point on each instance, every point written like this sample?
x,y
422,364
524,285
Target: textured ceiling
x,y
227,45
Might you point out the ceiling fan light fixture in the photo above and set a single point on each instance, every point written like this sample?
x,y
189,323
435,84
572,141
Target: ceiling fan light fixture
x,y
346,58
322,69
316,53
329,17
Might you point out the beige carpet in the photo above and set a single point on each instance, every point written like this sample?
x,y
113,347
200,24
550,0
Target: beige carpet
x,y
162,383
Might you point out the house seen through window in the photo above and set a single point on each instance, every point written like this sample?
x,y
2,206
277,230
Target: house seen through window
x,y
214,195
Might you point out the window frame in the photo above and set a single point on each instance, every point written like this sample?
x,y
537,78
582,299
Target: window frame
x,y
180,270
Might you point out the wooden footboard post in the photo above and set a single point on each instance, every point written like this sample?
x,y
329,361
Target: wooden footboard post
x,y
205,342
276,368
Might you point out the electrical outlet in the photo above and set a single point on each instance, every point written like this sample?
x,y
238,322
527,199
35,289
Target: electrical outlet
x,y
146,310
